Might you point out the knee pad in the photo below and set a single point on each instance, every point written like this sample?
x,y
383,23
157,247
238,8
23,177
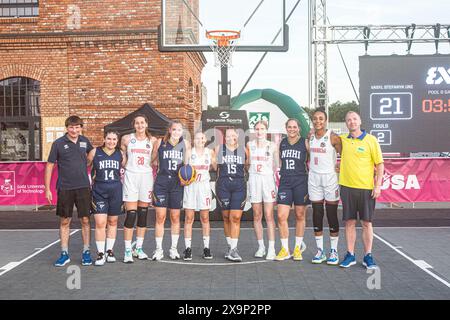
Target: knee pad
x,y
318,212
142,217
332,217
130,219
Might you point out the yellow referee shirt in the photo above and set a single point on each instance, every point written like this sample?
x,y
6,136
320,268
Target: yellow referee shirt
x,y
358,159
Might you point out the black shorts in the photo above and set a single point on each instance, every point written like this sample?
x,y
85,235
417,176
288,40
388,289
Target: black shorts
x,y
81,198
357,201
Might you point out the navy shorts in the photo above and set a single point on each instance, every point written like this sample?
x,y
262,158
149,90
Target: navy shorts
x,y
293,189
168,192
231,194
107,198
357,202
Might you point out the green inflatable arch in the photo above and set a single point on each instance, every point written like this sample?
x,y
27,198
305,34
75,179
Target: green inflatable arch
x,y
286,104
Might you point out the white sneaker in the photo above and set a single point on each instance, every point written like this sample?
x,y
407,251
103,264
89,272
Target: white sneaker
x,y
110,256
101,259
303,247
271,255
261,252
158,254
128,258
140,254
173,253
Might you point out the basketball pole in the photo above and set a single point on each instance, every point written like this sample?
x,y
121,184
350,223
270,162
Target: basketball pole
x,y
224,87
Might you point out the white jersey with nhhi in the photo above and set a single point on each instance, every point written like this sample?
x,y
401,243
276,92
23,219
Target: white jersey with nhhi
x,y
138,179
201,164
323,155
261,158
139,154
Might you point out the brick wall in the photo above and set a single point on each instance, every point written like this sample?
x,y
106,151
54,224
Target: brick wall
x,y
101,76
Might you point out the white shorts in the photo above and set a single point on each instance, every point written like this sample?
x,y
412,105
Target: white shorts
x,y
262,188
137,187
197,196
323,186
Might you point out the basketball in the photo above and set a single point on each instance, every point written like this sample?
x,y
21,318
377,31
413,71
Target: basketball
x,y
187,174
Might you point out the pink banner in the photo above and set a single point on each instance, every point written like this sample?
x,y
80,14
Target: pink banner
x,y
22,183
405,180
416,180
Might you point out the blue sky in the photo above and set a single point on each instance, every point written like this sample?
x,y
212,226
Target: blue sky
x,y
288,72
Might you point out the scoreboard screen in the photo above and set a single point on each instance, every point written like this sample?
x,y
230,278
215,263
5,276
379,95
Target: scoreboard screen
x,y
405,101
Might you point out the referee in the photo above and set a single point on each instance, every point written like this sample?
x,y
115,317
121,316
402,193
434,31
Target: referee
x,y
361,152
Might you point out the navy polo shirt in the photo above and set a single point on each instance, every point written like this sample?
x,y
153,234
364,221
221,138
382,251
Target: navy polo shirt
x,y
71,159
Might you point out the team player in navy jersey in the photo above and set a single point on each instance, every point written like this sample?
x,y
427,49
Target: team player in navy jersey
x,y
137,185
106,194
171,152
293,188
231,189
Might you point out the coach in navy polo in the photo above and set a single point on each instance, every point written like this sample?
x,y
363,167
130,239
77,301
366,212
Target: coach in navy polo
x,y
70,154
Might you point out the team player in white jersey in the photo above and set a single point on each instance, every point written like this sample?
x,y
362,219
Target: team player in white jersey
x,y
138,185
323,184
263,161
197,195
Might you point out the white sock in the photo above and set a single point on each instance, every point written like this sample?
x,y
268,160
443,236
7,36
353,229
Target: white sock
x,y
139,242
228,240
261,243
110,243
298,241
271,245
128,245
334,242
319,242
100,246
188,242
206,242
158,242
234,243
285,244
175,241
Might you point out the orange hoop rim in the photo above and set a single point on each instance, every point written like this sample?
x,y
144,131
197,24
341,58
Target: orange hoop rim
x,y
223,37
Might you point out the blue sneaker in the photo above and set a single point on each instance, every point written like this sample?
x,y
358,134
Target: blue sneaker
x,y
63,259
86,258
348,261
368,262
319,257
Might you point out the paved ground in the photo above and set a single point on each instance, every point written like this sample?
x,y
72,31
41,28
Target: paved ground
x,y
410,247
401,278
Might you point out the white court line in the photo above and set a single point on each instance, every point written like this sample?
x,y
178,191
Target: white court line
x,y
420,263
213,264
10,266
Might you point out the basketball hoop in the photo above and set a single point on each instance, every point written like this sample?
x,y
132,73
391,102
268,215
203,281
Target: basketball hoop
x,y
223,45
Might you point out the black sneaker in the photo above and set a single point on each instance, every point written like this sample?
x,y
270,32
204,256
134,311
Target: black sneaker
x,y
110,256
187,254
207,254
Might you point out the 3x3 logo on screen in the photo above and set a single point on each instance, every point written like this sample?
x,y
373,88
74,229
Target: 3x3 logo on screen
x,y
438,75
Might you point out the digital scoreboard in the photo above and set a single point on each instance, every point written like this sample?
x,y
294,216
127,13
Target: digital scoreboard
x,y
405,101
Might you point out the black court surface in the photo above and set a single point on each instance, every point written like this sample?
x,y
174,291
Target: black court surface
x,y
413,264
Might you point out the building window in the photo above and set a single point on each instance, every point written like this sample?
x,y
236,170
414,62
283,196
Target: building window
x,y
19,8
20,121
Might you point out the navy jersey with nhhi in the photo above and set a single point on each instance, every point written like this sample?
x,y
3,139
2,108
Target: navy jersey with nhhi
x,y
107,167
171,157
231,163
293,158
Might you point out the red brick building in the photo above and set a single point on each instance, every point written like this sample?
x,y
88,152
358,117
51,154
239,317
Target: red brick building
x,y
97,59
